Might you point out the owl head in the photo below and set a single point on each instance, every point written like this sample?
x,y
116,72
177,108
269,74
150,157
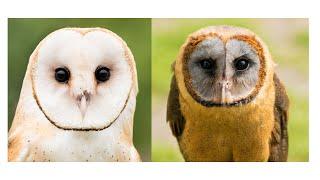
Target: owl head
x,y
223,66
82,77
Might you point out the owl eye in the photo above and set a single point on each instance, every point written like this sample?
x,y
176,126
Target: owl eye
x,y
62,74
206,64
241,63
102,74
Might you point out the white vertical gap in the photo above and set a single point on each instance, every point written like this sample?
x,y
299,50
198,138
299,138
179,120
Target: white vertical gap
x,y
3,89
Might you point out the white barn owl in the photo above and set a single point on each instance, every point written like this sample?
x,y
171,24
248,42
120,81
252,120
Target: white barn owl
x,y
77,100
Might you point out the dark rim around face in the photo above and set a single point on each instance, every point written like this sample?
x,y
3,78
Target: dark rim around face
x,y
34,94
192,44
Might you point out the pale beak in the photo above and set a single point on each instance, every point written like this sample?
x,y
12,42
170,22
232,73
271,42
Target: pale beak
x,y
83,101
225,91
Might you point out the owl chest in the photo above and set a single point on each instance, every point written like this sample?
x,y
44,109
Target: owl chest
x,y
79,146
226,134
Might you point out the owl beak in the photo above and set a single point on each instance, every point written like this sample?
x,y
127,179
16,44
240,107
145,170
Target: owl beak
x,y
225,91
83,100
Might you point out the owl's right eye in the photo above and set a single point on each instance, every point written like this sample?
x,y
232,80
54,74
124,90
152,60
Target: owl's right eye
x,y
62,74
102,74
206,64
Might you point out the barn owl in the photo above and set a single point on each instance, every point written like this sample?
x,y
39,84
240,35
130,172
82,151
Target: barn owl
x,y
77,100
226,103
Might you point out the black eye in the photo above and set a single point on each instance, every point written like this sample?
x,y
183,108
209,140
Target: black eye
x,y
206,64
241,64
102,74
62,74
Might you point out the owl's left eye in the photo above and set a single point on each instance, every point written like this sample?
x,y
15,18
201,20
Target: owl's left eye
x,y
102,74
241,63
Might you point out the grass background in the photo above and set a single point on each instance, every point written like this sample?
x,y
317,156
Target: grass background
x,y
288,41
25,34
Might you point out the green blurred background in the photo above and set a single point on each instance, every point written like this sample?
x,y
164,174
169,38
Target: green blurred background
x,y
288,41
25,34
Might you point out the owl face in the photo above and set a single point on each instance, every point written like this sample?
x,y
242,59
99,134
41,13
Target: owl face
x,y
223,69
82,78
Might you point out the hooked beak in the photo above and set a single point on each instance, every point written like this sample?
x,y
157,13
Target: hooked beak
x,y
83,101
225,91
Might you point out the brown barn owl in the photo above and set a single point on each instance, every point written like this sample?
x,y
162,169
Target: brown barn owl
x,y
77,100
226,103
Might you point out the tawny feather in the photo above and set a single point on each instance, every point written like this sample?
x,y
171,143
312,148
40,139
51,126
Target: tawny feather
x,y
243,131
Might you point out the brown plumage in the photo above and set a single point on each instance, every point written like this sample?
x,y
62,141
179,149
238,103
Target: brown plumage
x,y
279,138
253,129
